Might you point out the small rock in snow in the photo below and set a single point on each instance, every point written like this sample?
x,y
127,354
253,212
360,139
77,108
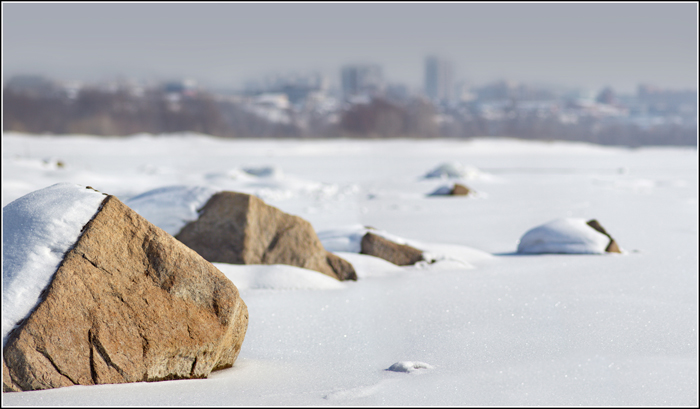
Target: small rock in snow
x,y
408,366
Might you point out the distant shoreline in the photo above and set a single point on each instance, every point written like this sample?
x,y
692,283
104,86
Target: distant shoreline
x,y
343,138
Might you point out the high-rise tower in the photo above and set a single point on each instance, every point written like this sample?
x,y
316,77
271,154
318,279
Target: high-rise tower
x,y
361,80
439,78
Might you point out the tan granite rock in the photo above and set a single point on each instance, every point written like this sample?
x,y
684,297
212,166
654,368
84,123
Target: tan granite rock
x,y
238,228
459,190
399,254
128,303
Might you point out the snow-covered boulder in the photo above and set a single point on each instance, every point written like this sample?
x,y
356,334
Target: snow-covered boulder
x,y
567,236
238,228
265,172
453,170
408,366
125,303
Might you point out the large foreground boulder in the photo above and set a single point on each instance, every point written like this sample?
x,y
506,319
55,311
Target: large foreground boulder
x,y
399,254
238,228
128,303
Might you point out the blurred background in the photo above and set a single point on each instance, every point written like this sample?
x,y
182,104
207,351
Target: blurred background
x,y
607,73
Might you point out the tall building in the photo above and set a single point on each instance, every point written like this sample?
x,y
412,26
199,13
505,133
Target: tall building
x,y
439,78
362,80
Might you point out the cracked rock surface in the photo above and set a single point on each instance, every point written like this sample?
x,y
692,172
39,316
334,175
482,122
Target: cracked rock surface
x,y
129,303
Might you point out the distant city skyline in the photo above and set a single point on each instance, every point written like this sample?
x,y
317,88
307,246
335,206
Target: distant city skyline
x,y
583,45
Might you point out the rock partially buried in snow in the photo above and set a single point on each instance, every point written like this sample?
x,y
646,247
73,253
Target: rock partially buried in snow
x,y
399,254
612,246
238,228
265,171
460,190
348,239
128,303
567,236
456,189
408,366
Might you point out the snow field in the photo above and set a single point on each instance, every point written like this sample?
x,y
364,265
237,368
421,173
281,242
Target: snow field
x,y
512,330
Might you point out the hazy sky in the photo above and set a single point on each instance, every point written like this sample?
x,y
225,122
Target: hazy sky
x,y
590,45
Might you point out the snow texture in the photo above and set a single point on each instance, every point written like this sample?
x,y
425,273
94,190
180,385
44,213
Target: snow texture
x,y
453,170
37,231
565,236
277,277
369,266
172,207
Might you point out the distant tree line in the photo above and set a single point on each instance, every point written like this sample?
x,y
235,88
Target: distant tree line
x,y
100,112
549,127
97,111
381,118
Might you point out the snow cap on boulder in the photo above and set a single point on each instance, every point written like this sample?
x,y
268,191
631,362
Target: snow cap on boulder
x,y
37,231
567,236
127,302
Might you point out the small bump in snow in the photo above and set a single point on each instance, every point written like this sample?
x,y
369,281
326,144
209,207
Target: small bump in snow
x,y
408,366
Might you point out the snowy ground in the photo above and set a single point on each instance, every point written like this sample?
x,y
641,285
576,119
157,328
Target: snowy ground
x,y
484,326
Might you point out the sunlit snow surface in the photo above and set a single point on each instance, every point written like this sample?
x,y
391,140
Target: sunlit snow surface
x,y
276,277
172,207
37,230
505,330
